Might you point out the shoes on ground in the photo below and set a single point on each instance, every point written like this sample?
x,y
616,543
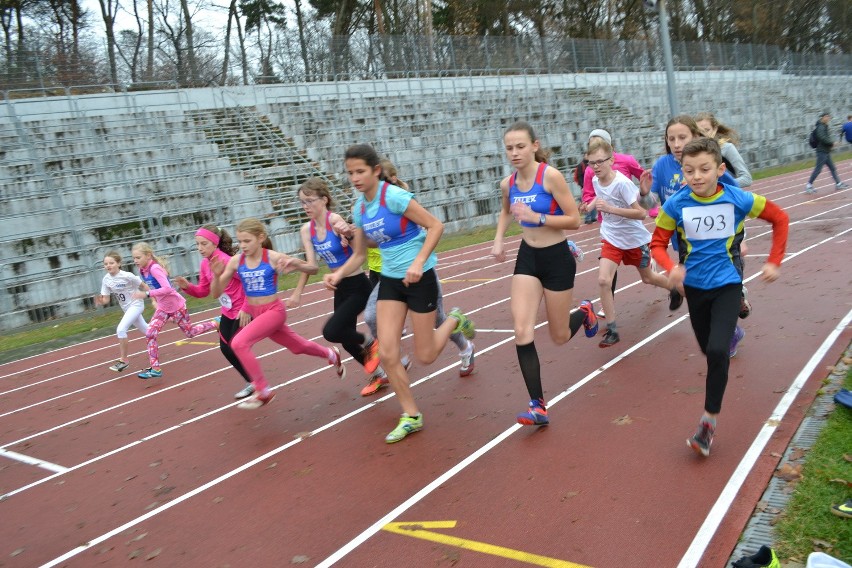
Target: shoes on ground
x,y
535,416
256,401
576,251
745,305
601,314
245,392
844,510
809,188
150,373
842,185
739,333
119,366
371,357
407,425
467,363
465,325
378,381
590,322
763,558
609,339
675,299
338,363
702,439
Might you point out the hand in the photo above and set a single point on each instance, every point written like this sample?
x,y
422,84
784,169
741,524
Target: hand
x,y
523,213
139,295
217,267
101,300
413,274
286,264
770,272
602,206
645,182
583,207
498,253
245,319
341,227
294,301
182,282
676,278
330,280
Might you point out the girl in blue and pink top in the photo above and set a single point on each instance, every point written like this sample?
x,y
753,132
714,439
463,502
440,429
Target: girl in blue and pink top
x,y
407,235
257,268
168,304
538,197
214,242
324,237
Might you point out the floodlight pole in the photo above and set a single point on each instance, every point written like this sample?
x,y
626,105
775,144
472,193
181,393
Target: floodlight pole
x,y
667,55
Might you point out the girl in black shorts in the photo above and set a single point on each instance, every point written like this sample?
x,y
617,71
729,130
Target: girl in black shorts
x,y
538,197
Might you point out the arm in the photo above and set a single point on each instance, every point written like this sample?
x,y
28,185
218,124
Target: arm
x,y
588,187
434,229
162,278
222,273
504,219
731,153
352,264
780,227
200,290
635,211
295,298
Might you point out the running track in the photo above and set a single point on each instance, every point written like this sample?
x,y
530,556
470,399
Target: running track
x,y
99,469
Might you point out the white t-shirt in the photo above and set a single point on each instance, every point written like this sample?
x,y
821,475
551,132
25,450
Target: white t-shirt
x,y
122,285
619,231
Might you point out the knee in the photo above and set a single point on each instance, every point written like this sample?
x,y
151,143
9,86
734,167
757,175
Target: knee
x,y
604,282
523,335
151,333
330,334
388,353
559,337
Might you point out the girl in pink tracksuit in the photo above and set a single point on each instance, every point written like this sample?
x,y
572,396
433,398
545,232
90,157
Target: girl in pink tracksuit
x,y
168,304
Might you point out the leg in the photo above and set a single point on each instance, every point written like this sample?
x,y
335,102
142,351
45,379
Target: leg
x,y
606,277
830,163
821,158
158,320
440,316
391,317
526,295
260,327
182,320
653,278
341,326
228,328
133,314
370,311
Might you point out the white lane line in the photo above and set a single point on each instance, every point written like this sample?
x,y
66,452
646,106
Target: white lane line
x,y
714,518
32,461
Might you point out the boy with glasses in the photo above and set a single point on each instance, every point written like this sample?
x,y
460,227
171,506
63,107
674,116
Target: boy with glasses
x,y
625,238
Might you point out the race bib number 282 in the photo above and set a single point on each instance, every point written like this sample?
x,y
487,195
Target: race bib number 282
x,y
709,222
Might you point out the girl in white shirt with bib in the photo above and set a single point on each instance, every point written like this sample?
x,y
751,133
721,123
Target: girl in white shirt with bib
x,y
122,284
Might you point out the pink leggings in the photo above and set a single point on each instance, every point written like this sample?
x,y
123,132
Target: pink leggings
x,y
181,318
270,320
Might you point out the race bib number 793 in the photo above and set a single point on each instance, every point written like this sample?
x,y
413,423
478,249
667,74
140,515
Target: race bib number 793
x,y
709,222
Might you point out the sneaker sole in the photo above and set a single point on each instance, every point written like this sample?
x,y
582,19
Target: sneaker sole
x,y
366,392
528,422
256,403
407,434
697,448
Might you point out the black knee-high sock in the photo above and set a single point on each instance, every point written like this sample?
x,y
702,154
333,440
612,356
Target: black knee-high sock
x,y
614,282
575,322
530,369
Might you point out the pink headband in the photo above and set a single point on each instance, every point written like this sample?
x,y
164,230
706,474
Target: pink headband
x,y
209,235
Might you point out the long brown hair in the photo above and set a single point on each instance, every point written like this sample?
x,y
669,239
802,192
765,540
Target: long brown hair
x,y
226,243
685,120
723,133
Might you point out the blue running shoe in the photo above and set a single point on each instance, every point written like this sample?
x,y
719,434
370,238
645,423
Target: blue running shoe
x,y
739,333
150,374
590,323
535,416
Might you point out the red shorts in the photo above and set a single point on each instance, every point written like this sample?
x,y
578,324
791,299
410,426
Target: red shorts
x,y
640,257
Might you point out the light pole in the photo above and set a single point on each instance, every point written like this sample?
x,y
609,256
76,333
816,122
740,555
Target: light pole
x,y
660,7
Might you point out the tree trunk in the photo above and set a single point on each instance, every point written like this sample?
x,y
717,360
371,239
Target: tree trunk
x,y
232,13
300,22
109,28
243,55
190,48
149,67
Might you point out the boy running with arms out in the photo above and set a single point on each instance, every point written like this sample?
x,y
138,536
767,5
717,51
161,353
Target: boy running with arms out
x,y
709,221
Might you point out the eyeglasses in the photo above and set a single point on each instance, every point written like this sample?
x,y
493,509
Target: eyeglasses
x,y
596,163
309,201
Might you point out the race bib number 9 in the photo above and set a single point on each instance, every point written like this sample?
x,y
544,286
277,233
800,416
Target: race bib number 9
x,y
709,222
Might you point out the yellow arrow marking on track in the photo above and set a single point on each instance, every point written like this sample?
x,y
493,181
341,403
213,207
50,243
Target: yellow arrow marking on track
x,y
418,530
187,342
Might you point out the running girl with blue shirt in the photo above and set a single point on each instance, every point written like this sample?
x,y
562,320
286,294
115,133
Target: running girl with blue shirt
x,y
257,267
322,238
706,217
538,197
168,304
122,284
406,234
